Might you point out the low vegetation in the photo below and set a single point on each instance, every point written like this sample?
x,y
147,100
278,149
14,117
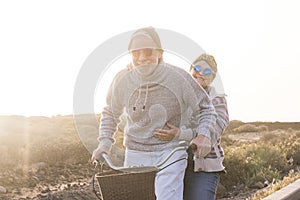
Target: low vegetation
x,y
266,159
268,163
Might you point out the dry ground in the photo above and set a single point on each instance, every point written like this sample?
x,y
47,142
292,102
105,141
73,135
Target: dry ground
x,y
43,158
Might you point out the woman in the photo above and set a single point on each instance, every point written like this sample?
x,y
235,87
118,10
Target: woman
x,y
202,173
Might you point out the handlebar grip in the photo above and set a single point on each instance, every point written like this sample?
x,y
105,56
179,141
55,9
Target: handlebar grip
x,y
192,148
102,157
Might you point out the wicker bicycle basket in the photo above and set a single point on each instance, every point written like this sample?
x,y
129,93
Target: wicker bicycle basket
x,y
120,185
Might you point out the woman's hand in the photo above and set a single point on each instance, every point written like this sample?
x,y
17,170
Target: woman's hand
x,y
169,134
203,144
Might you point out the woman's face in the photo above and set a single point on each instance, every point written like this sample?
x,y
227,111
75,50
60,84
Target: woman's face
x,y
203,74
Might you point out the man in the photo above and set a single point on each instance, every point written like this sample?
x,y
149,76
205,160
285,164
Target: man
x,y
154,95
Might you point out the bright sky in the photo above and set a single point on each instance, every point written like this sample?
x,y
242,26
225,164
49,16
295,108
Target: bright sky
x,y
256,43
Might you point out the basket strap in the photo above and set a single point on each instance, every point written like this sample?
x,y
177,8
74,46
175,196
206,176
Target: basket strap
x,y
172,163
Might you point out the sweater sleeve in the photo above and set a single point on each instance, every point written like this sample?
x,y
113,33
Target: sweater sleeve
x,y
220,105
186,134
204,114
110,115
222,122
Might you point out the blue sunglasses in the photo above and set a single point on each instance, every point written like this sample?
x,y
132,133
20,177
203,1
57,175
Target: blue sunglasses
x,y
206,71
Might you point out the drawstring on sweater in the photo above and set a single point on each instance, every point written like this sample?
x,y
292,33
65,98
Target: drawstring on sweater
x,y
145,101
134,106
139,95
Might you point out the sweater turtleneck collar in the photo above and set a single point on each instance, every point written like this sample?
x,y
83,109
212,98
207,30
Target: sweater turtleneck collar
x,y
151,77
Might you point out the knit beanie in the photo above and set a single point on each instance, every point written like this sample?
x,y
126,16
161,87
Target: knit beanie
x,y
209,59
144,38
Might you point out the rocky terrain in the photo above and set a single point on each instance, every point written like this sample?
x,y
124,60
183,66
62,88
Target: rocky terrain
x,y
44,158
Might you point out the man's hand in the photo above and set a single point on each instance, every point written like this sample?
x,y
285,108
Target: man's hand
x,y
167,135
203,144
97,153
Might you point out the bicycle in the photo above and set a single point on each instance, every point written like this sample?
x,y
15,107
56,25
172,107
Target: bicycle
x,y
132,183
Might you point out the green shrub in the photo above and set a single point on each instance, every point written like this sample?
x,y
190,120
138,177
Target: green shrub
x,y
297,134
244,164
269,138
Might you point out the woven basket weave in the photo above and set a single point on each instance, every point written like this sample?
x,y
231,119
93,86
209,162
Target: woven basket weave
x,y
117,185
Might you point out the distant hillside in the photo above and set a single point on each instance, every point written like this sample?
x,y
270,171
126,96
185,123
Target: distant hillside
x,y
271,125
38,134
57,124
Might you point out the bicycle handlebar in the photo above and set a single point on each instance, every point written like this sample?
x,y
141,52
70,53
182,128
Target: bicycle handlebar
x,y
109,163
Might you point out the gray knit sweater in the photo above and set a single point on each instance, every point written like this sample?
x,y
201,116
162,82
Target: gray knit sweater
x,y
169,94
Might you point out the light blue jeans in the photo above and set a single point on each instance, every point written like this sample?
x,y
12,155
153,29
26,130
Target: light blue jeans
x,y
200,185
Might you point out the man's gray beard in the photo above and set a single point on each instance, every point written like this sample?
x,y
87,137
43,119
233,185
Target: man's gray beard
x,y
146,69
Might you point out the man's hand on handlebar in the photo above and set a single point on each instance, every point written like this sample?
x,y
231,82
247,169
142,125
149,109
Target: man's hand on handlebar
x,y
97,154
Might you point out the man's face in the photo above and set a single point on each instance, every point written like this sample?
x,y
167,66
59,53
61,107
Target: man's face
x,y
145,56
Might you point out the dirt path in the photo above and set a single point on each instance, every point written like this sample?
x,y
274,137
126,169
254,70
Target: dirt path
x,y
62,181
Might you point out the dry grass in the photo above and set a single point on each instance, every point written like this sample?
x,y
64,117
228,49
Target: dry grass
x,y
292,176
274,157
